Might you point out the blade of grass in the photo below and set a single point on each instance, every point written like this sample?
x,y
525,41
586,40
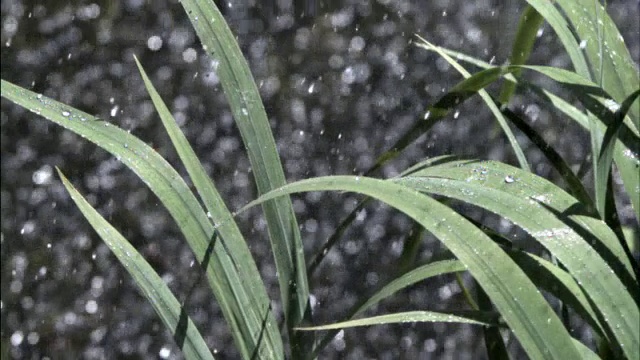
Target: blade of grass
x,y
247,108
532,320
625,155
532,190
170,189
575,186
493,340
596,100
541,209
344,224
254,294
564,32
609,62
605,157
149,282
550,277
409,278
475,318
530,22
603,45
471,85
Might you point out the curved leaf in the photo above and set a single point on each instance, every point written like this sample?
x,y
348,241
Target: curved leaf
x,y
219,42
175,195
530,22
151,285
230,237
552,217
533,322
608,57
403,317
625,155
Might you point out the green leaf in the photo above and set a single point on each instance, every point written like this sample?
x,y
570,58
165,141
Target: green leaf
x,y
605,158
174,194
608,57
554,219
403,317
494,343
576,188
470,86
533,322
242,94
412,277
530,22
151,285
559,24
625,153
250,290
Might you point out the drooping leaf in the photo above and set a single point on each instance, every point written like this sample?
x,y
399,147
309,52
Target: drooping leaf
x,y
554,219
526,35
246,105
404,317
533,322
251,289
149,282
175,195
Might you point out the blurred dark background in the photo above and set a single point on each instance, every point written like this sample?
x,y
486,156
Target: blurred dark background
x,y
341,81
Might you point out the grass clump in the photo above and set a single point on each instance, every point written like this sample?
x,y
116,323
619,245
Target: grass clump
x,y
588,261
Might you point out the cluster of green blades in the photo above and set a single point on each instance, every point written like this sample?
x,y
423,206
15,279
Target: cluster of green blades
x,y
592,272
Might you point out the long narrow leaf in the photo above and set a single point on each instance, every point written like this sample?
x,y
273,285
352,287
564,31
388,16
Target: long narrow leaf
x,y
248,111
471,87
170,189
625,155
530,22
403,317
603,45
151,285
605,157
541,209
250,290
533,322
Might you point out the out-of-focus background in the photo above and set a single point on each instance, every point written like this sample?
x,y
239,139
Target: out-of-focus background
x,y
341,82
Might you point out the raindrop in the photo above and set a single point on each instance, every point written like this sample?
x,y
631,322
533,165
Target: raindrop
x,y
612,105
114,111
189,55
66,113
583,44
43,175
245,111
91,307
165,352
509,179
456,114
16,338
154,43
348,75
